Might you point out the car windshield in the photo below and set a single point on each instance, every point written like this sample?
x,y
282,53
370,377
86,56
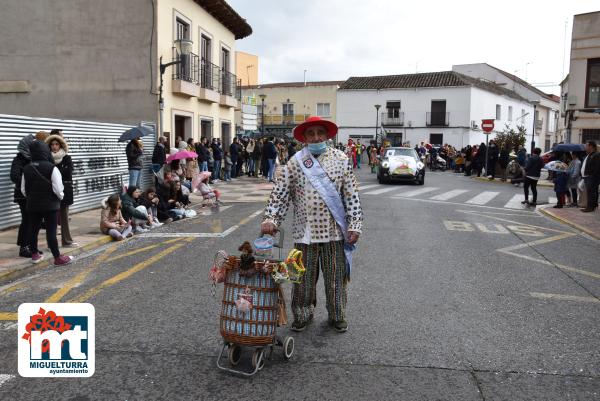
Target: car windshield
x,y
400,152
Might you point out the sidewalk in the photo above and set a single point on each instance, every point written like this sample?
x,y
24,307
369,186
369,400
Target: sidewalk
x,y
541,183
589,223
85,229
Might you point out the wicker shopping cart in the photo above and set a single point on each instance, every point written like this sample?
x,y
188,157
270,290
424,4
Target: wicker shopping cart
x,y
257,327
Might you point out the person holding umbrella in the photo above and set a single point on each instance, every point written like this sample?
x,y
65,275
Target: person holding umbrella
x,y
135,152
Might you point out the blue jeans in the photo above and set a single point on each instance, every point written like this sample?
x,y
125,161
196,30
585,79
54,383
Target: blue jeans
x,y
203,166
227,175
134,177
250,166
271,168
216,170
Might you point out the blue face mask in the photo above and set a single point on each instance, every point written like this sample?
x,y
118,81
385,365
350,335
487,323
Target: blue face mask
x,y
317,148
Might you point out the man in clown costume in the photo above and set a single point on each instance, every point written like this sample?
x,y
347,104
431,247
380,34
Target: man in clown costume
x,y
319,181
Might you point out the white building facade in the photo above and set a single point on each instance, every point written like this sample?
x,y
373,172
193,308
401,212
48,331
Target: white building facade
x,y
439,108
547,105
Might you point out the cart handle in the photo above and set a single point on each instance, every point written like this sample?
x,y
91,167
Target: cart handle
x,y
279,243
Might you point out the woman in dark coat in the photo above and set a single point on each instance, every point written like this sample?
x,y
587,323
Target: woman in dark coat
x,y
42,185
503,161
62,160
22,159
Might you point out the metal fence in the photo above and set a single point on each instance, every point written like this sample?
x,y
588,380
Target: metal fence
x,y
99,160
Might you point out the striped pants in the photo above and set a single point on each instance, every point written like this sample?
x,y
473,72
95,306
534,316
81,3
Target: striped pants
x,y
330,258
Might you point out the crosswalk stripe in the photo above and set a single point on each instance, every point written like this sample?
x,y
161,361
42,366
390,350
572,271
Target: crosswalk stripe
x,y
367,186
381,191
449,195
416,192
515,202
483,198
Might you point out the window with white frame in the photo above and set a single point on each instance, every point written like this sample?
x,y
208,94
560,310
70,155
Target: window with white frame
x,y
498,112
323,109
509,113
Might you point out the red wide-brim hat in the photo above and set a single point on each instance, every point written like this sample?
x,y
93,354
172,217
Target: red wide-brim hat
x,y
330,126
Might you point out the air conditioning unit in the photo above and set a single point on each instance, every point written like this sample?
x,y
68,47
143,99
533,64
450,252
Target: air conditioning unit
x,y
572,100
474,124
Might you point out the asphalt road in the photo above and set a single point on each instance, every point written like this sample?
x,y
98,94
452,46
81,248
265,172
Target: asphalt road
x,y
466,296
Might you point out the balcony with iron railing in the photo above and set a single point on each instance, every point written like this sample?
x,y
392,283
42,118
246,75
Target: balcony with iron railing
x,y
394,119
185,74
209,79
193,77
437,119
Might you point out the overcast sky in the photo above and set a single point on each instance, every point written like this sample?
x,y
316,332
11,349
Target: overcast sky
x,y
336,39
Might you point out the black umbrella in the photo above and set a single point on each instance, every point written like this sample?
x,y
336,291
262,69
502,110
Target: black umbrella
x,y
135,132
569,147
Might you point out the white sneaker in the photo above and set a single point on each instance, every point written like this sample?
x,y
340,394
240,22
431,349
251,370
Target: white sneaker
x,y
156,223
140,230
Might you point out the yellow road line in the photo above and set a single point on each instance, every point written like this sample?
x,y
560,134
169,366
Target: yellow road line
x,y
12,288
136,251
8,316
123,275
78,279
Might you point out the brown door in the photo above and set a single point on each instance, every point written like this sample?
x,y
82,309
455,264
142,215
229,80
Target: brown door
x,y
438,112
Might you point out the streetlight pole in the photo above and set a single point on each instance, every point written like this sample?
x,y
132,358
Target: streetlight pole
x,y
262,113
377,106
535,103
185,46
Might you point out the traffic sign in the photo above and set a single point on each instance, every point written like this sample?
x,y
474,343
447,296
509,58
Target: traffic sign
x,y
487,125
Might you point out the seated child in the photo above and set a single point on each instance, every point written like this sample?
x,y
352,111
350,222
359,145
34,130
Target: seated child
x,y
206,191
177,201
134,212
154,207
112,221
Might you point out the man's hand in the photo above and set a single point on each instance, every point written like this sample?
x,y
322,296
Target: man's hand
x,y
353,237
268,228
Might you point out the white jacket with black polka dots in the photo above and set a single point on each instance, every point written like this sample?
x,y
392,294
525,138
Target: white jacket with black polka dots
x,y
313,222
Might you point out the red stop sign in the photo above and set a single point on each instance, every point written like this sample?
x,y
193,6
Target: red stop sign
x,y
487,125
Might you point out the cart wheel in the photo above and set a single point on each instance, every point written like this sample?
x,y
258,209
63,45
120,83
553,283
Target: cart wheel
x,y
235,354
288,347
258,358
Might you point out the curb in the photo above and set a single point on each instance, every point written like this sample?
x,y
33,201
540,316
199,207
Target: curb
x,y
541,183
28,268
568,222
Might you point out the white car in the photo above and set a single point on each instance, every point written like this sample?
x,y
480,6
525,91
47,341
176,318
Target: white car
x,y
401,164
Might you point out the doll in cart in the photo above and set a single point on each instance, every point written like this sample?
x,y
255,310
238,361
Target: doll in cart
x,y
209,196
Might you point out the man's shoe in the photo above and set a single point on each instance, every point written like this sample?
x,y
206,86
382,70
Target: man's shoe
x,y
63,260
557,206
36,257
298,326
341,326
525,202
587,210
